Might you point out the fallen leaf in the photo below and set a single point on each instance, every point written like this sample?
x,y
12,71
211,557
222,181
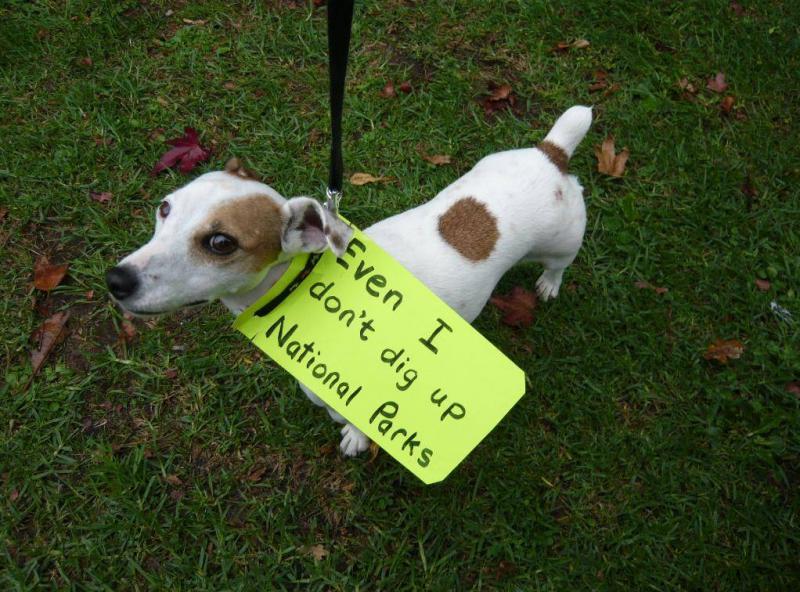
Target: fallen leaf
x,y
171,373
229,85
794,388
318,552
500,97
600,81
580,43
48,335
198,22
608,161
723,350
717,84
173,480
102,197
687,86
437,159
501,93
737,8
47,276
726,104
87,61
255,475
388,91
127,332
405,87
364,178
563,46
517,307
13,496
763,285
642,285
3,212
187,151
374,449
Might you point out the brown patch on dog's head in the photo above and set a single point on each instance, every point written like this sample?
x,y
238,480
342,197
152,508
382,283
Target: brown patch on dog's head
x,y
469,228
556,154
254,222
235,167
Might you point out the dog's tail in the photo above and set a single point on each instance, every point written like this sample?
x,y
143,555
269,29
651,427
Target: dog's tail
x,y
566,134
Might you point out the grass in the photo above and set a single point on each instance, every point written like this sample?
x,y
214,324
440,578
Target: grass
x,y
631,463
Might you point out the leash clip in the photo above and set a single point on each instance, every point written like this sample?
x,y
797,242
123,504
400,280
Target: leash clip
x,y
333,198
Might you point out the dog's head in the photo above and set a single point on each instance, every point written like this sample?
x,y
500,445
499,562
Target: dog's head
x,y
218,236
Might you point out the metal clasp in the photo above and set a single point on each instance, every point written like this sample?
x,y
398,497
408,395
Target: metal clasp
x,y
333,198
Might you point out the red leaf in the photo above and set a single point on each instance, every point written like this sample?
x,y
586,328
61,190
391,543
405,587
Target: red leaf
x,y
48,335
171,373
723,350
763,285
47,276
187,153
794,388
717,84
101,197
405,87
517,307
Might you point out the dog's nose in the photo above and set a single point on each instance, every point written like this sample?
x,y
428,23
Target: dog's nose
x,y
121,281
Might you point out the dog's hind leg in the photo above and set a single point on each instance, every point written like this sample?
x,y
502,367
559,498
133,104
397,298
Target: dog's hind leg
x,y
549,282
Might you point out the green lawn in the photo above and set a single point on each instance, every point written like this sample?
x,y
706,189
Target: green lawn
x,y
184,460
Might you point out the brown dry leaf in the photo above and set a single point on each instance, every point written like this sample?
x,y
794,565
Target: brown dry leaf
x,y
794,388
642,285
600,81
517,307
405,87
437,159
763,285
717,84
364,178
171,373
500,93
388,91
723,350
127,332
199,22
726,104
608,161
48,335
87,61
102,197
563,46
173,480
318,552
687,86
374,449
230,85
580,43
256,473
47,276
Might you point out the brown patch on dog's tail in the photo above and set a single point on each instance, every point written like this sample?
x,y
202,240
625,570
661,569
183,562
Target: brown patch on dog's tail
x,y
565,136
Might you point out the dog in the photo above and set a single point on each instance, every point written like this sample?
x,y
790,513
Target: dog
x,y
228,236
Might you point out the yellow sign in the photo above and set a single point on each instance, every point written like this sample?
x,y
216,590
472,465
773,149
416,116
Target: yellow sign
x,y
378,346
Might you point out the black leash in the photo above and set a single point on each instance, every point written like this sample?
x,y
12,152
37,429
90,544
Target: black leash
x,y
340,19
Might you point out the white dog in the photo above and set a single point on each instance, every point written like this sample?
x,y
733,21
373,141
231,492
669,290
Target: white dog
x,y
226,235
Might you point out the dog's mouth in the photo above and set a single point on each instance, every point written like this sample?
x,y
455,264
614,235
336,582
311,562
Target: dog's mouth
x,y
155,313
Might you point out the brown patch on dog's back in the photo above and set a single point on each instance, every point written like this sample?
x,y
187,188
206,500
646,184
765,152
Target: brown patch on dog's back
x,y
255,222
469,228
234,166
556,155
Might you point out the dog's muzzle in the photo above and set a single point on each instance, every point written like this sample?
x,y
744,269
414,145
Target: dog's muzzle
x,y
122,281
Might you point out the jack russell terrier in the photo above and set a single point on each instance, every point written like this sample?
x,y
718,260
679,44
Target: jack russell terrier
x,y
226,235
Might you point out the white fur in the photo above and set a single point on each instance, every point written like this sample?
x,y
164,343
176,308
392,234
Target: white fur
x,y
539,211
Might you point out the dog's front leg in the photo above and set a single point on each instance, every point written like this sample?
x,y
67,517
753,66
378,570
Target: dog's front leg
x,y
354,441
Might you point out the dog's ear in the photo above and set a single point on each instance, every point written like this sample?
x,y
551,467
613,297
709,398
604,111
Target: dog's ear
x,y
308,227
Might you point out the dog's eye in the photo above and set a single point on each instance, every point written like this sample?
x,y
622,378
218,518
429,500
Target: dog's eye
x,y
221,244
163,209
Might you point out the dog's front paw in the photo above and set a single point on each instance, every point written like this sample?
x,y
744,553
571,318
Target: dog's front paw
x,y
354,440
